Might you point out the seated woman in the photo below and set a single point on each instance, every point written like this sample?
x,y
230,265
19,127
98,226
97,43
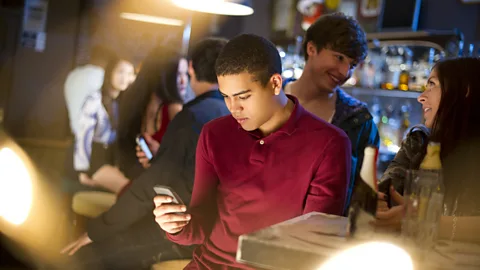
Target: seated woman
x,y
148,107
99,121
165,103
451,105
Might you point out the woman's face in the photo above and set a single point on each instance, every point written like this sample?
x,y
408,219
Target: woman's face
x,y
430,99
182,77
122,75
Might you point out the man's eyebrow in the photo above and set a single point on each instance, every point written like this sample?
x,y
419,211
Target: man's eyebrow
x,y
237,94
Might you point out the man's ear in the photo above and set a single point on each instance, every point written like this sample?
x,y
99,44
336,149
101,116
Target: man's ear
x,y
191,71
311,48
276,82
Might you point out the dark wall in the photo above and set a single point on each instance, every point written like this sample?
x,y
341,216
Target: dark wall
x,y
449,14
36,107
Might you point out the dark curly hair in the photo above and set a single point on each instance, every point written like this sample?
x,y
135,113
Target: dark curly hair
x,y
249,53
339,33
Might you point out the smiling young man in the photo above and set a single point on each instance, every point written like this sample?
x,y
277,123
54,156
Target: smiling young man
x,y
268,162
333,47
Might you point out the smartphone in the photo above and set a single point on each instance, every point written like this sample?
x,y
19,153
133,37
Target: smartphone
x,y
144,146
164,190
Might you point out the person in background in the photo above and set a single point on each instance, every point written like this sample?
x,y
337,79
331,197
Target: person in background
x,y
451,105
96,131
267,162
333,46
165,103
147,109
126,236
84,81
155,99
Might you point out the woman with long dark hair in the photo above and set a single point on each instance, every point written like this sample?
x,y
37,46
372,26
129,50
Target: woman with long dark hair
x,y
165,103
99,120
451,105
147,108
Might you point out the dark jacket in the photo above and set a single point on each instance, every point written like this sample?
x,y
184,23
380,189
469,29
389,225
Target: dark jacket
x,y
353,117
460,171
174,166
409,157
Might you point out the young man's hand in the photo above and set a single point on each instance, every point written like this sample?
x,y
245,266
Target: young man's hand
x,y
170,217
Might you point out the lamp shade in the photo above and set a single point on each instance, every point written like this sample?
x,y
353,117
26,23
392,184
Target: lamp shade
x,y
221,7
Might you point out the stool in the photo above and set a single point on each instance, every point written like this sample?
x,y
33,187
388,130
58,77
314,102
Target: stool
x,y
91,204
171,265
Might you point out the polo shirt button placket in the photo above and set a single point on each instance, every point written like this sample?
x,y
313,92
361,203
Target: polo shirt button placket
x,y
262,142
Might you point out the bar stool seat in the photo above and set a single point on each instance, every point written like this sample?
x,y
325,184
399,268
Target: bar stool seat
x,y
171,265
91,204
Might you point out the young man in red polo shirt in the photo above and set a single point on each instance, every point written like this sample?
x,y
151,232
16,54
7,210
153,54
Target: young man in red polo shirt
x,y
268,162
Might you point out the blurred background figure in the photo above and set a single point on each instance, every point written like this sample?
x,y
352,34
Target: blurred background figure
x,y
98,121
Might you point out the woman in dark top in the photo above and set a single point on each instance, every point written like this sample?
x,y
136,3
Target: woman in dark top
x,y
451,105
165,103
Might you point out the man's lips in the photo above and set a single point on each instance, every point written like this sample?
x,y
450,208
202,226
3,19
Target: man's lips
x,y
241,120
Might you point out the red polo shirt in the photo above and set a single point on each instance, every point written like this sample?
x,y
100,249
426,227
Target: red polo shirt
x,y
245,182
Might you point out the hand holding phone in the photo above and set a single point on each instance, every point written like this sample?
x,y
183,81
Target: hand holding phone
x,y
169,210
142,143
167,191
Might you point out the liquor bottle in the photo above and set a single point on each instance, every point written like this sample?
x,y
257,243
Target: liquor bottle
x,y
363,205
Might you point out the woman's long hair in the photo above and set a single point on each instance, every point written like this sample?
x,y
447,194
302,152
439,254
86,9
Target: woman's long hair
x,y
456,127
158,75
107,100
458,114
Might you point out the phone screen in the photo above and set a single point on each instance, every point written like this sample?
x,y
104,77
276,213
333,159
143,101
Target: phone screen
x,y
143,145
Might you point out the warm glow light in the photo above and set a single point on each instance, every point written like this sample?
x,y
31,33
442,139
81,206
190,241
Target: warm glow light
x,y
150,19
215,7
15,188
372,256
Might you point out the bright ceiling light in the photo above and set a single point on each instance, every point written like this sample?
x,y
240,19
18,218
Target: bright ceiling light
x,y
15,188
150,19
220,7
372,256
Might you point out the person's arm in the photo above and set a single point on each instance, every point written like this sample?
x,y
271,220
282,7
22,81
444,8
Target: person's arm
x,y
410,153
134,204
368,137
203,208
84,134
328,189
137,201
361,137
174,109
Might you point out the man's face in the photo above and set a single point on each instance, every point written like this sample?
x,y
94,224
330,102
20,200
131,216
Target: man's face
x,y
182,77
329,69
250,103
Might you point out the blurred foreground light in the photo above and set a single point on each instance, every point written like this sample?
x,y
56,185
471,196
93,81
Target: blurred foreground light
x,y
372,256
150,19
15,187
221,7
